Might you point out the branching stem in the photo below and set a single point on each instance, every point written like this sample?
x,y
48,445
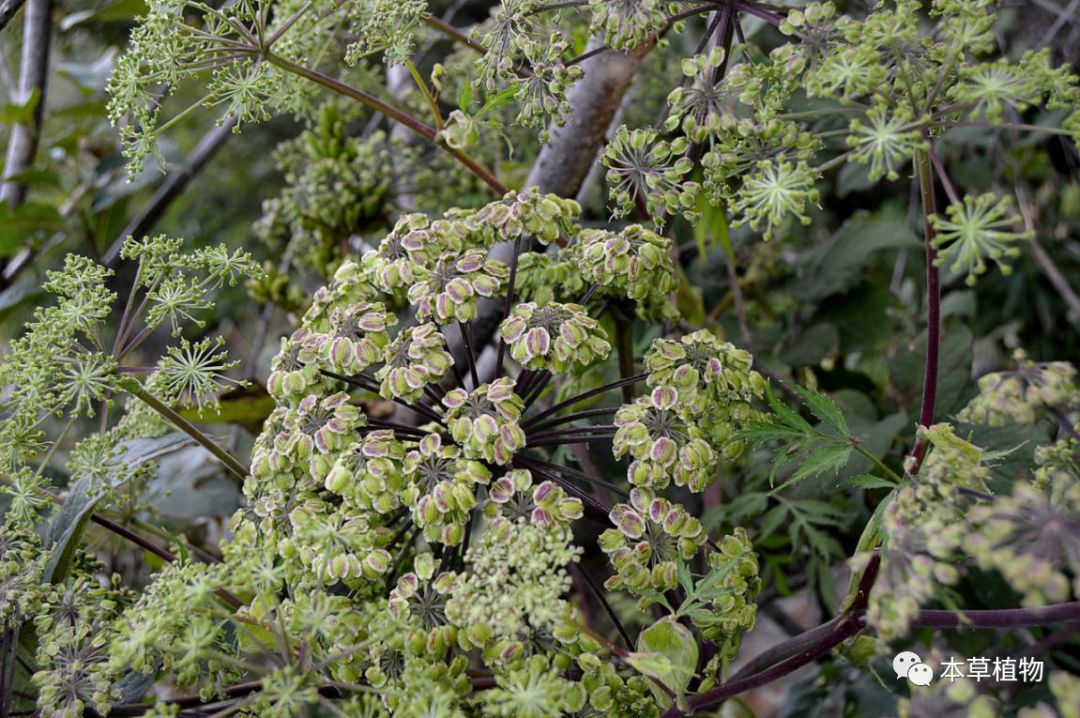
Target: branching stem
x,y
171,415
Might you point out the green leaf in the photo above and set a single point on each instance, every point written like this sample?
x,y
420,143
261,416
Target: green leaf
x,y
837,265
867,481
820,461
137,452
709,587
64,528
500,99
668,652
19,113
465,95
712,228
825,409
689,300
115,11
818,512
17,225
653,595
786,414
868,541
686,579
247,406
703,617
772,520
66,525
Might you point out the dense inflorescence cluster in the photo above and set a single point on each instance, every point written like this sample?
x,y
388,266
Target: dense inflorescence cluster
x,y
477,517
407,553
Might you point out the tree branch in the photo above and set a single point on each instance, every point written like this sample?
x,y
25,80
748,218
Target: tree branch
x,y
8,8
33,75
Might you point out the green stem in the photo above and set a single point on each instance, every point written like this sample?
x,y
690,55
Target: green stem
x,y
430,98
230,462
880,464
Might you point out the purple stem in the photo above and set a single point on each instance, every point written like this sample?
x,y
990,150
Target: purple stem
x,y
933,305
509,303
576,416
582,397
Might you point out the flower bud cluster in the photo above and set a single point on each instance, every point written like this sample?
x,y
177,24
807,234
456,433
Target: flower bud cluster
x,y
715,382
1022,394
554,337
513,496
650,535
484,422
664,444
514,588
634,263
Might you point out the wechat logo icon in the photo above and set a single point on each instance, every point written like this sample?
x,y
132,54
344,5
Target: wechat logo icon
x,y
907,664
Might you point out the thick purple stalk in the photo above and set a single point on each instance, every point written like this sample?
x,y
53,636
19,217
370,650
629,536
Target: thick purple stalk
x,y
837,631
933,305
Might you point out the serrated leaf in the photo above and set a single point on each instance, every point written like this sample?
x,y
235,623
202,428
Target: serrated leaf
x,y
762,432
653,595
825,459
772,520
747,504
821,511
821,460
867,481
786,414
819,541
710,583
825,409
988,457
501,98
